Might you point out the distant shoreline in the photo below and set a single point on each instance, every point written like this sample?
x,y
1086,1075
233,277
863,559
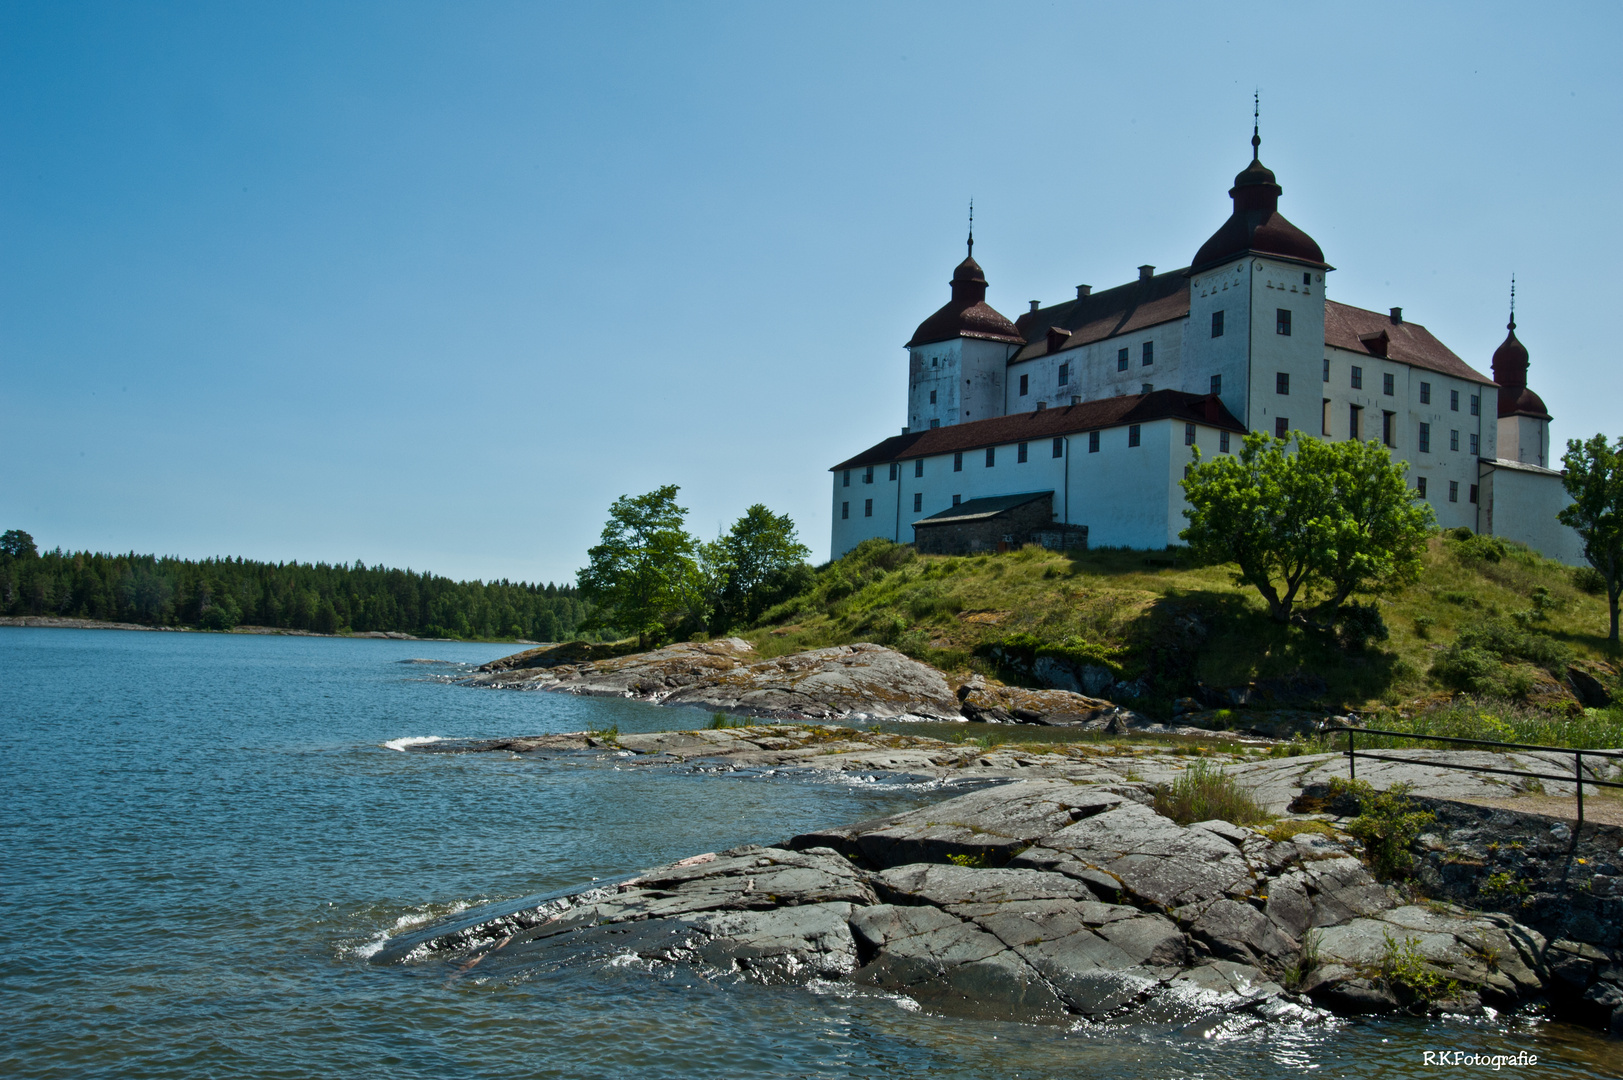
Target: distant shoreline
x,y
62,623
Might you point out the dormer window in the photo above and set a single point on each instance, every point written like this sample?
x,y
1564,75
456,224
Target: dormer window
x,y
1057,338
1375,344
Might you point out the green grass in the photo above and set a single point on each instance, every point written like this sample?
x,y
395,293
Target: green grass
x,y
1205,793
1159,618
1493,721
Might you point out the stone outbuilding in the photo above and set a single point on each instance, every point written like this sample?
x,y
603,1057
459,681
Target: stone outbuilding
x,y
998,523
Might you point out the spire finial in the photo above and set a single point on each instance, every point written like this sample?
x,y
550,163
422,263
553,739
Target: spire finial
x,y
971,226
1256,124
1512,324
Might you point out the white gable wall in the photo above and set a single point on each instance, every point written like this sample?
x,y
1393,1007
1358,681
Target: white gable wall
x,y
1225,288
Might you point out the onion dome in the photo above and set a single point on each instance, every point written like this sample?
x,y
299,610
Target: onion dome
x,y
1510,372
1256,226
967,314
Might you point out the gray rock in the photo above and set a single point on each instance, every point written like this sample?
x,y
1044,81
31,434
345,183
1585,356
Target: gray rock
x,y
1239,932
1158,861
944,886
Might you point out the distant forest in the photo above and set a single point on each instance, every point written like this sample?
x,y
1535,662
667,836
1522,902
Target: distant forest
x,y
218,594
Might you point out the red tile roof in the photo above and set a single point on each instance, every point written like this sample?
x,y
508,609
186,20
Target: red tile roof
x,y
1406,342
1122,310
1047,423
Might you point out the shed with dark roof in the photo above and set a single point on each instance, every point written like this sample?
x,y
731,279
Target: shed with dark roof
x,y
998,523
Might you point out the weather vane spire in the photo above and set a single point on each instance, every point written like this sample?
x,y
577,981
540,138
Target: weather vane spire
x,y
1512,300
972,226
1256,124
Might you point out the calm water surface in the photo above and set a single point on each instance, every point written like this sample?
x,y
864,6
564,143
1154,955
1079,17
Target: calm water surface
x,y
203,836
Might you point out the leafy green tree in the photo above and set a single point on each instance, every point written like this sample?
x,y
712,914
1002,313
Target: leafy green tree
x,y
1594,479
747,569
1324,522
643,575
17,544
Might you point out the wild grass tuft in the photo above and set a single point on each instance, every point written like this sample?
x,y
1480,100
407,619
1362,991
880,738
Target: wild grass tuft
x,y
1205,792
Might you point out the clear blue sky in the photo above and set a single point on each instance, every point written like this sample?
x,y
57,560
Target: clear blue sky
x,y
432,284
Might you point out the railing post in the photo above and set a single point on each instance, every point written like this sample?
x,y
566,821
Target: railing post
x,y
1578,769
1352,761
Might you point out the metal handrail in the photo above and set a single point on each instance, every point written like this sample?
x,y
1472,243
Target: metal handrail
x,y
1577,776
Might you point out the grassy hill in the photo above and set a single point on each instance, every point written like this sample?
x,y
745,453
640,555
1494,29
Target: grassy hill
x,y
1487,618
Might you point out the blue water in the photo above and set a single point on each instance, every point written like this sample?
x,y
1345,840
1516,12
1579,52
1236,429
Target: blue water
x,y
204,835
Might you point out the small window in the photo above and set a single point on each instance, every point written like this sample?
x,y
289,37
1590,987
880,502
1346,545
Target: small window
x,y
867,508
935,423
1357,377
1217,324
1453,491
1425,393
1352,421
1132,434
1476,405
894,469
1282,427
1282,382
958,462
1188,471
934,361
845,511
1307,279
1282,322
1454,400
1386,429
1425,438
1093,442
1064,373
845,480
867,475
918,467
1326,369
1453,440
1389,384
991,456
918,501
1474,450
956,499
1146,388
1420,486
1473,493
1217,384
1020,454
1324,418
1149,353
1121,359
1222,442
1059,446
1189,434
932,397
1025,381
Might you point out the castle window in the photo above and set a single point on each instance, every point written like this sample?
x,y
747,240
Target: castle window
x,y
1473,493
1454,400
958,462
867,508
1453,440
1132,434
1222,442
1093,442
1217,384
1146,388
1188,471
1064,373
918,467
894,467
1149,353
1307,279
1024,382
933,361
1282,382
935,423
1425,438
1324,418
1352,421
1121,359
1326,369
1389,384
845,480
1059,446
1453,491
991,456
1217,324
1476,405
1282,322
1020,454
1386,429
867,475
1357,377
956,499
1420,486
1474,450
918,501
1282,427
1425,393
845,511
1189,434
932,397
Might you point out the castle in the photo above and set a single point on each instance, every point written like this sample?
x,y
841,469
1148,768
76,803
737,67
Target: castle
x,y
1072,425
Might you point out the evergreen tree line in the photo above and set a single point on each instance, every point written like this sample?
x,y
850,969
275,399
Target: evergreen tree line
x,y
218,594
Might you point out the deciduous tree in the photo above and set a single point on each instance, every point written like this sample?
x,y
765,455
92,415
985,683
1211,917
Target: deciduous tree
x,y
643,575
748,568
1594,479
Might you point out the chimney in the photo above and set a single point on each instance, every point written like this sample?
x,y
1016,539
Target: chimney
x,y
1035,304
1042,406
1397,316
1083,290
1146,272
905,430
1076,399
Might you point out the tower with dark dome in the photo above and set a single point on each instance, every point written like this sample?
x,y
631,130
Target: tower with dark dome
x,y
1524,423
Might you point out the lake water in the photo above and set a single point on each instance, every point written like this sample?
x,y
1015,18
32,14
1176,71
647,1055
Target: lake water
x,y
204,835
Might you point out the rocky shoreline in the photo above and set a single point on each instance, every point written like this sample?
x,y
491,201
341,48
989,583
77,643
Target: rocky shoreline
x,y
1058,894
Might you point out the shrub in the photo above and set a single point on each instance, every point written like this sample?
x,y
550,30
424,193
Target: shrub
x,y
1588,579
1357,624
1476,661
1473,548
1423,625
1205,792
1387,824
1408,974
